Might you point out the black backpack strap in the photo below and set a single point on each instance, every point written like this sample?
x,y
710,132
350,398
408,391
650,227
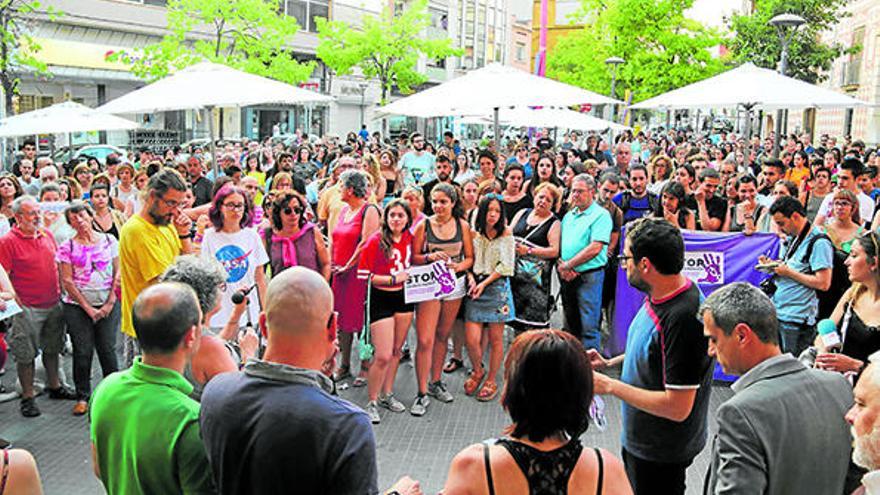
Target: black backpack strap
x,y
809,252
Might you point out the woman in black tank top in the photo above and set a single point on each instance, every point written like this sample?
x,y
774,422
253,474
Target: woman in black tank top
x,y
443,237
548,393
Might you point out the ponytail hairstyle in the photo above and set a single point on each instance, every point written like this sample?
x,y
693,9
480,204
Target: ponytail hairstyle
x,y
385,239
452,193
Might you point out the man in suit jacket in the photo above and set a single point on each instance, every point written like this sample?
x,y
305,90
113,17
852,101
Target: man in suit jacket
x,y
781,432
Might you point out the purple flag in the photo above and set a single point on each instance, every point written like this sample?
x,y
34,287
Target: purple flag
x,y
712,259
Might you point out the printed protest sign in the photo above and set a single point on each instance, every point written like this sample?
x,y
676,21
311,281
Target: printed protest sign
x,y
428,282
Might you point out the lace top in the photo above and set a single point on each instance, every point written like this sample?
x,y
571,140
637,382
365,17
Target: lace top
x,y
547,472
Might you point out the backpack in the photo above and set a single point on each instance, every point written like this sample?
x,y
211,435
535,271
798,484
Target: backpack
x,y
626,199
839,277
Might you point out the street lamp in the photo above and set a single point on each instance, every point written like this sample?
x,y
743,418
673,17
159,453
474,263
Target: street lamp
x,y
612,63
786,25
363,87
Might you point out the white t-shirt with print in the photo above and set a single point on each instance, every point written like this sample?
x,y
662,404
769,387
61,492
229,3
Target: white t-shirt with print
x,y
241,254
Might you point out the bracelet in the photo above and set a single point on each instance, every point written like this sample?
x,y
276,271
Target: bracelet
x,y
529,250
393,280
183,237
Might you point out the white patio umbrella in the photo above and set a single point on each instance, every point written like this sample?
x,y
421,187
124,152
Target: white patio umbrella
x,y
561,118
62,118
490,89
753,88
207,86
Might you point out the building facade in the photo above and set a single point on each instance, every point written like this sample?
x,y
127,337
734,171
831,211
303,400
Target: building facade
x,y
560,23
857,75
520,49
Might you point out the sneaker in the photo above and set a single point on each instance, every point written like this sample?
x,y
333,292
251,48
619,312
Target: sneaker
x,y
439,392
420,405
405,354
29,408
391,403
373,412
62,393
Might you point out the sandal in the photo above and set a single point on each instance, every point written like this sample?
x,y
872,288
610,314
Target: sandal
x,y
488,392
453,365
361,379
473,382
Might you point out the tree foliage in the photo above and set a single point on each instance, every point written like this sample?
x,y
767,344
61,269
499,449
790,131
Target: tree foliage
x,y
662,48
386,48
18,49
250,35
809,59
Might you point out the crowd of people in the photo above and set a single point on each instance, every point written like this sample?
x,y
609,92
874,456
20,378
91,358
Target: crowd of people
x,y
244,283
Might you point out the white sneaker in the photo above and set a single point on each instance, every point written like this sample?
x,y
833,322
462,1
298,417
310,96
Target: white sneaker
x,y
373,412
438,391
391,403
420,406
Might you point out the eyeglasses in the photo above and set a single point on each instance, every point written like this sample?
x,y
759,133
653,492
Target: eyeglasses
x,y
621,258
296,209
171,204
234,206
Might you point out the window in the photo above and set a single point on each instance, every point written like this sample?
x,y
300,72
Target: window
x,y
520,52
27,103
853,69
305,12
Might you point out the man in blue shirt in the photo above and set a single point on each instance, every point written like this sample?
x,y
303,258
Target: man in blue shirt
x,y
418,164
586,231
666,377
636,202
804,268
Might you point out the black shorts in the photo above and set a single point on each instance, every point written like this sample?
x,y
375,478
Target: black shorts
x,y
387,303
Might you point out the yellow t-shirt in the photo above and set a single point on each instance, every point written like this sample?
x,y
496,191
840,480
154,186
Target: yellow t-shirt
x,y
145,251
797,175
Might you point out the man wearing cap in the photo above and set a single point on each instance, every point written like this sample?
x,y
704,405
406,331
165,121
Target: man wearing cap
x,y
201,186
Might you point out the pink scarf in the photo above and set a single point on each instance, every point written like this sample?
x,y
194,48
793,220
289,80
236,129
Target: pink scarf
x,y
288,248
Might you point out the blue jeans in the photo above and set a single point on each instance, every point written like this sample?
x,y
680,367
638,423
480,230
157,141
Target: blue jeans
x,y
582,305
795,337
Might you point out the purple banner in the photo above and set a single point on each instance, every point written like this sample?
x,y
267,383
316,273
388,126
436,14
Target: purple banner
x,y
712,259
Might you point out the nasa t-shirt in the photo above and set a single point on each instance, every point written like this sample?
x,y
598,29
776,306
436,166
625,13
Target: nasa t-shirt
x,y
240,254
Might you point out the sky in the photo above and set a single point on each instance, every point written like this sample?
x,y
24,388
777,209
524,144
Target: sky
x,y
709,12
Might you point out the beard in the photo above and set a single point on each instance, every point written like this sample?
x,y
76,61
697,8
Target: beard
x,y
158,220
637,282
866,449
443,177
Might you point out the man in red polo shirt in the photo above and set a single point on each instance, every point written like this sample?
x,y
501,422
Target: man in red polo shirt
x,y
27,252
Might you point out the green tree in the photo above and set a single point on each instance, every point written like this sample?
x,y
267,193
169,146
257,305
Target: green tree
x,y
249,35
386,48
809,58
663,49
18,49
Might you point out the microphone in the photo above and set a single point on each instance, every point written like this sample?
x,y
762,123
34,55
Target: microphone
x,y
239,295
828,333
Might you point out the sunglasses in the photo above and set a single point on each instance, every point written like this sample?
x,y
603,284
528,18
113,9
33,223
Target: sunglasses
x,y
296,209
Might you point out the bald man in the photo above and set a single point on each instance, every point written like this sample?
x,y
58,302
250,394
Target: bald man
x,y
276,424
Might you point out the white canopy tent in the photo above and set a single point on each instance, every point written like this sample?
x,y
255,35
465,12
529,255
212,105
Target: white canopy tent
x,y
489,90
561,118
751,88
62,118
207,86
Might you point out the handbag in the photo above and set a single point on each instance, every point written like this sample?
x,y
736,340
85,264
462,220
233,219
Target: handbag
x,y
529,267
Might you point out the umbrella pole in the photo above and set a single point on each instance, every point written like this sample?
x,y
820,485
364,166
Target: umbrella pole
x,y
210,114
495,111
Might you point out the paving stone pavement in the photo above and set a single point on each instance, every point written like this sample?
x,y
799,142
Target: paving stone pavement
x,y
406,445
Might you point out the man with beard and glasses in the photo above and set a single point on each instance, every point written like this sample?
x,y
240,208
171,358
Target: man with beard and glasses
x,y
149,242
754,450
417,164
443,171
864,420
665,383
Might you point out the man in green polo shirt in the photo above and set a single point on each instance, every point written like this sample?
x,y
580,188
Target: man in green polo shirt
x,y
145,428
586,231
